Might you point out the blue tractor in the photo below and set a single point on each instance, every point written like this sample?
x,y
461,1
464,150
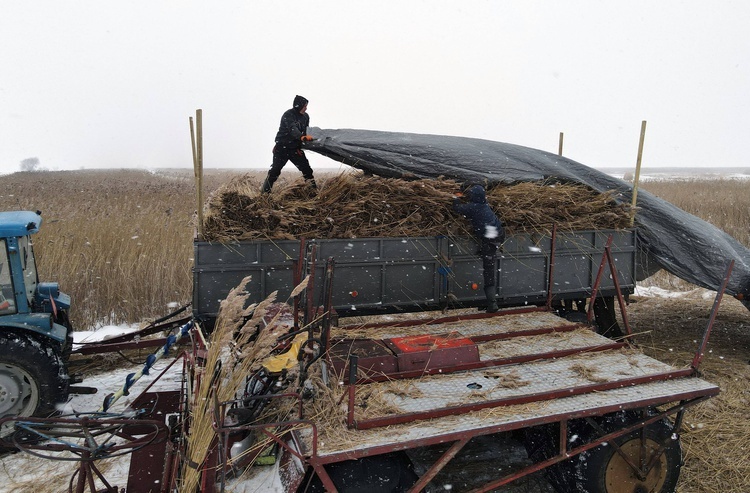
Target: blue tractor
x,y
35,331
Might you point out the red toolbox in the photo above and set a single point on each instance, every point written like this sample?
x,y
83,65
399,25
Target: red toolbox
x,y
426,352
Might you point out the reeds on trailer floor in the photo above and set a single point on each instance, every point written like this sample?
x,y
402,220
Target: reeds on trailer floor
x,y
352,205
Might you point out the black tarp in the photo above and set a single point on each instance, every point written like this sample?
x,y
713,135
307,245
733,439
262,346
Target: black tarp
x,y
675,240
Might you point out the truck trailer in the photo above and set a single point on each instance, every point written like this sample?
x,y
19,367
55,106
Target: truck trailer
x,y
424,383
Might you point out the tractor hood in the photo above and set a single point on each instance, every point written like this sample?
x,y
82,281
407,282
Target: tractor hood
x,y
672,239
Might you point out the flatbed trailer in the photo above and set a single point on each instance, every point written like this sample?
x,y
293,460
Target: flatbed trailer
x,y
564,387
405,388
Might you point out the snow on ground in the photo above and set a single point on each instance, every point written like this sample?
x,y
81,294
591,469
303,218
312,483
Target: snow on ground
x,y
657,292
103,333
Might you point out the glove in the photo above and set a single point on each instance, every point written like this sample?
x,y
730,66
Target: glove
x,y
307,138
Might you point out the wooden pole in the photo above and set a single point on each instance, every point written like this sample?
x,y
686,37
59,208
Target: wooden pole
x,y
199,161
195,170
637,173
560,145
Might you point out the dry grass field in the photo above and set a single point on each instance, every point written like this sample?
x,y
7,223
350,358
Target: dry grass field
x,y
120,243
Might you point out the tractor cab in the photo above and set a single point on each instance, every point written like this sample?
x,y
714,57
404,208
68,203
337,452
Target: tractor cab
x,y
35,332
23,299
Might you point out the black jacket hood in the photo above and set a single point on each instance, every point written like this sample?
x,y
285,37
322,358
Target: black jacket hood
x,y
476,194
299,102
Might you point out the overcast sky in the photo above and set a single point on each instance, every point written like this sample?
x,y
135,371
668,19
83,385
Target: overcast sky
x,y
95,84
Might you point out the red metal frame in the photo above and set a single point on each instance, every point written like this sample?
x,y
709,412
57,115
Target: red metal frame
x,y
714,311
607,257
441,320
686,399
297,277
130,341
526,399
492,363
565,454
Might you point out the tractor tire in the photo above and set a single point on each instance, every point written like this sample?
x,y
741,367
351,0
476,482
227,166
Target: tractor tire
x,y
33,378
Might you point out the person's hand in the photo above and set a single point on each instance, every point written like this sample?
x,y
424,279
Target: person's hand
x,y
307,138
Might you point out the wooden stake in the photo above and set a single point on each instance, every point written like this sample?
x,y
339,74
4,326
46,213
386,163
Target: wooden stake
x,y
560,145
199,161
195,171
637,172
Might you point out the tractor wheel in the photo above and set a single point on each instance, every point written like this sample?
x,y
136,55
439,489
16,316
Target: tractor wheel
x,y
603,469
33,378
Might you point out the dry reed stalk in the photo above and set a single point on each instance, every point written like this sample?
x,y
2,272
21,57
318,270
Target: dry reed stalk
x,y
242,339
506,380
230,358
588,373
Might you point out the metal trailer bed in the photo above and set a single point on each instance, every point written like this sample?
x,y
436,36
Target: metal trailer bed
x,y
534,368
387,275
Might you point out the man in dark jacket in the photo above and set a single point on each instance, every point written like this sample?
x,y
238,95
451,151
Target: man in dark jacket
x,y
289,139
489,232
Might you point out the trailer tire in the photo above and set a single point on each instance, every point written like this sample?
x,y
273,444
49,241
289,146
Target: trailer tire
x,y
33,377
589,471
602,469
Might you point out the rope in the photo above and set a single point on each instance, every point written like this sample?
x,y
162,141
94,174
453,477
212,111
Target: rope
x,y
132,378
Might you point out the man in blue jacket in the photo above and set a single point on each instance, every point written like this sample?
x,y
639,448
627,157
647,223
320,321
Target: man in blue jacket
x,y
289,139
489,232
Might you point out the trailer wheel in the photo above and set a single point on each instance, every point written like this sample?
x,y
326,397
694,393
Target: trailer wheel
x,y
33,378
603,469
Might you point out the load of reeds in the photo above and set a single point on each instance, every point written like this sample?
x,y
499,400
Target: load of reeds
x,y
354,205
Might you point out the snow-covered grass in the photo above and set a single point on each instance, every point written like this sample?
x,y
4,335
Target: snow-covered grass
x,y
659,292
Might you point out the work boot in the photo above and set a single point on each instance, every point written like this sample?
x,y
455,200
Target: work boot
x,y
267,184
489,292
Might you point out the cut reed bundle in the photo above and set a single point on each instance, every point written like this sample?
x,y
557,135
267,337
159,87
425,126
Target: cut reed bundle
x,y
352,205
238,344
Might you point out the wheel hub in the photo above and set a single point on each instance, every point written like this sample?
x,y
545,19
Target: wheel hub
x,y
621,478
18,394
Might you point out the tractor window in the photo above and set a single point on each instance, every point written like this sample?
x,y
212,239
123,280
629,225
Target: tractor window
x,y
29,267
7,301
